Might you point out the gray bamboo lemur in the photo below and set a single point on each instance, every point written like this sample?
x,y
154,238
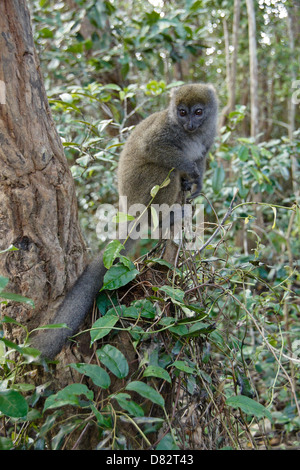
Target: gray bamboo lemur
x,y
177,138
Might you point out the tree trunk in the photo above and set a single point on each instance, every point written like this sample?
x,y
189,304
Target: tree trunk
x,y
38,210
253,68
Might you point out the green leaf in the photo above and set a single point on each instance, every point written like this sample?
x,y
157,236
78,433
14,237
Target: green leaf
x,y
103,124
199,328
121,217
10,248
154,218
181,365
245,140
243,153
255,154
165,183
52,326
7,319
173,293
70,395
114,360
257,175
119,275
124,400
13,404
6,443
147,392
244,384
12,345
201,313
66,97
125,69
45,33
111,252
275,215
167,443
126,261
123,311
145,308
154,190
180,330
104,303
3,282
103,417
103,325
111,86
98,375
248,406
173,327
225,136
162,262
156,371
16,298
242,190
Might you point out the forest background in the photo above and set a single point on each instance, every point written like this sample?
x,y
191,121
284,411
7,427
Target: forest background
x,y
108,64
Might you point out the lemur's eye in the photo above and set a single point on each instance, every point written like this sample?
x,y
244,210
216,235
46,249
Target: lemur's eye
x,y
199,112
182,112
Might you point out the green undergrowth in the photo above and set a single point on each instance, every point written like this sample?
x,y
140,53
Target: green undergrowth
x,y
201,357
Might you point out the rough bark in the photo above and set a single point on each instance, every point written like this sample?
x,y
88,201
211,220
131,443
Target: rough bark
x,y
38,209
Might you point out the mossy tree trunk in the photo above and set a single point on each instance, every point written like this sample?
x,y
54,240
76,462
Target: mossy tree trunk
x,y
38,208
